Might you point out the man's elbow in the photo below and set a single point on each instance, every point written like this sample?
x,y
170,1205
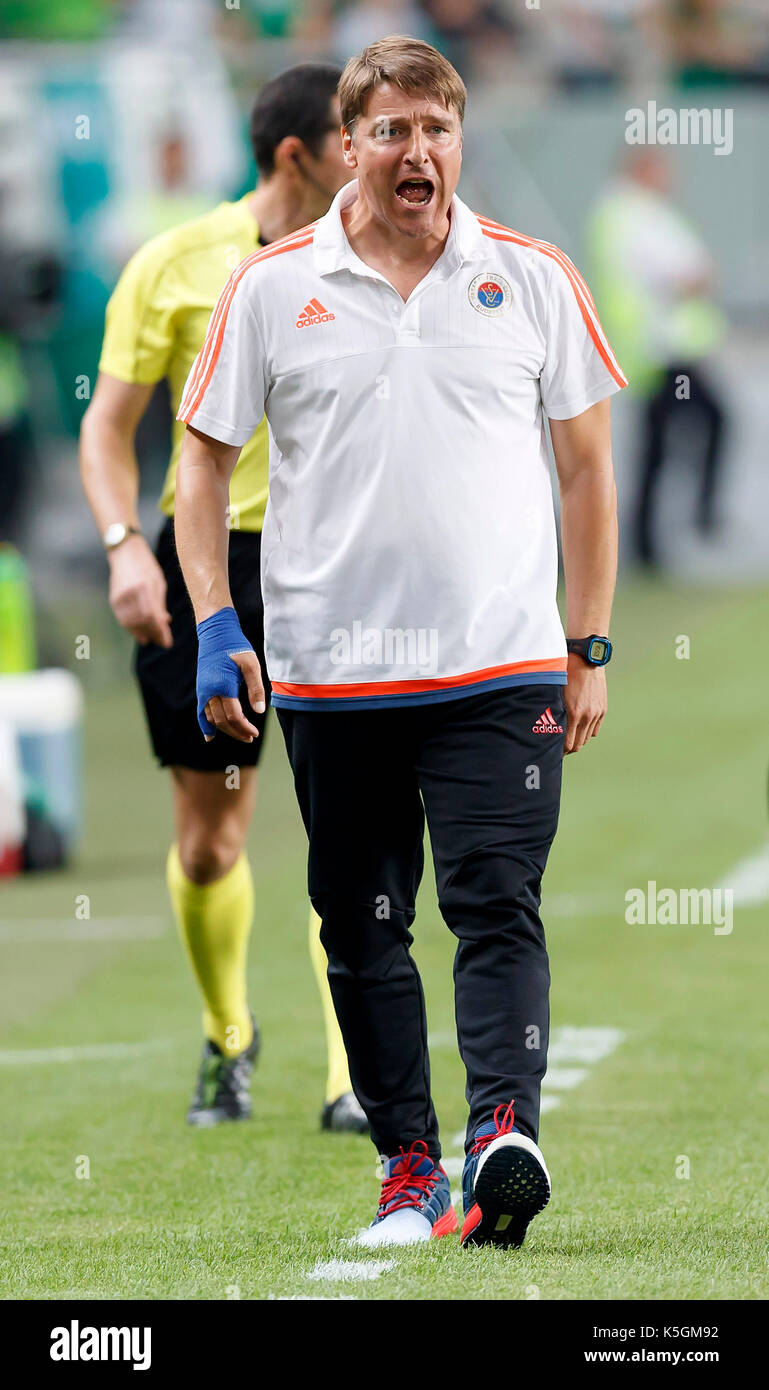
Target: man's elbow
x,y
589,476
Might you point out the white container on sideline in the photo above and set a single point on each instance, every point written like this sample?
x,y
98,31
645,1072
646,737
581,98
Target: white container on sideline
x,y
45,711
12,819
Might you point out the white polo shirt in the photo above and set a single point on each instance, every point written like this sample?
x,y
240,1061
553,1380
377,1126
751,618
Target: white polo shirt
x,y
409,546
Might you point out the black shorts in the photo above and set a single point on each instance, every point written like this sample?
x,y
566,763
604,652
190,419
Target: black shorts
x,y
167,675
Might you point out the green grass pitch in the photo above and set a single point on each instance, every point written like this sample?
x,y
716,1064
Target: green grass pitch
x,y
674,790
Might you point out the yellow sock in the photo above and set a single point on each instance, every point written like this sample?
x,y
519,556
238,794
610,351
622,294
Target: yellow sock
x,y
338,1081
214,921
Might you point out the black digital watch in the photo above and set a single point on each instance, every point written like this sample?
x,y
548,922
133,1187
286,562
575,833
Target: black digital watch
x,y
596,651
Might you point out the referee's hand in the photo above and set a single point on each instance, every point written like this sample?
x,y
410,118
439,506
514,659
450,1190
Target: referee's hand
x,y
137,592
227,713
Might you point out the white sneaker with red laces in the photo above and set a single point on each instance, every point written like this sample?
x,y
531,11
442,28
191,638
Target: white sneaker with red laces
x,y
415,1202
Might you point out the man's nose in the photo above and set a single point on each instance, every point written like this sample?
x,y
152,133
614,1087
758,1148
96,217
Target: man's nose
x,y
417,152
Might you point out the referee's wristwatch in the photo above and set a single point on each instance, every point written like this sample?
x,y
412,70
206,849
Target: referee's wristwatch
x,y
117,533
596,651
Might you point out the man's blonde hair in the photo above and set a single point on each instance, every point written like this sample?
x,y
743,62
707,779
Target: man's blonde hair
x,y
409,64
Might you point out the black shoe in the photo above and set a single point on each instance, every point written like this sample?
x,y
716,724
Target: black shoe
x,y
344,1115
222,1091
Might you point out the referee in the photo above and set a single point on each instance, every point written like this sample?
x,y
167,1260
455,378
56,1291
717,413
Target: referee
x,y
407,351
156,321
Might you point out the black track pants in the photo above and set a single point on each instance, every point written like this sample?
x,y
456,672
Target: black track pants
x,y
490,788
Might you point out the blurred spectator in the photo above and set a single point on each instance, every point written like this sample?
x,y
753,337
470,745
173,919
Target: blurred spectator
x,y
598,43
142,213
16,454
474,34
471,32
29,282
172,21
713,42
354,25
131,220
653,279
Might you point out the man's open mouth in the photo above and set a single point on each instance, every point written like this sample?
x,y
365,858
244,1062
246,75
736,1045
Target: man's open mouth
x,y
416,192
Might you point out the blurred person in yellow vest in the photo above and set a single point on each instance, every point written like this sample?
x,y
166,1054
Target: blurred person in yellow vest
x,y
654,280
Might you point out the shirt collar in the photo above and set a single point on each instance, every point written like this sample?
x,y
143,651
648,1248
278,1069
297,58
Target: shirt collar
x,y
332,251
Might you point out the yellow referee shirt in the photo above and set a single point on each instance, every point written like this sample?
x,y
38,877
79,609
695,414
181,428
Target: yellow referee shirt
x,y
156,323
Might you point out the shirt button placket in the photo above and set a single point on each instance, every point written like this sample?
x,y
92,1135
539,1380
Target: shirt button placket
x,y
409,332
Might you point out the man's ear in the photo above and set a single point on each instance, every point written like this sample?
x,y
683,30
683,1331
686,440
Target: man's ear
x,y
348,149
287,152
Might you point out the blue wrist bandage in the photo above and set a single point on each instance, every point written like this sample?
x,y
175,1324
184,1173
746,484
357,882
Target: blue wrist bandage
x,y
218,674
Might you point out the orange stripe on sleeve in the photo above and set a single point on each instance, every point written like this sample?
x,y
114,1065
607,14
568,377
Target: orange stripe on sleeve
x,y
221,306
203,358
539,244
212,346
581,292
214,321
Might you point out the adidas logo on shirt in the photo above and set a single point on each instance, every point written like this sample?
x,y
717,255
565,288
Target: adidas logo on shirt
x,y
546,724
312,313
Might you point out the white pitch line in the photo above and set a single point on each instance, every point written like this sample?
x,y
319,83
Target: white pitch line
x,y
350,1269
548,1103
568,1044
563,1078
98,1052
749,880
65,929
453,1167
583,1044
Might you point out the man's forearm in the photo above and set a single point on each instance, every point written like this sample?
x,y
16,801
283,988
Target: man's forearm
x,y
109,472
582,449
589,539
108,466
202,495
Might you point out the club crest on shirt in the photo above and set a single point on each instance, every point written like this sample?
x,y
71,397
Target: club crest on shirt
x,y
490,294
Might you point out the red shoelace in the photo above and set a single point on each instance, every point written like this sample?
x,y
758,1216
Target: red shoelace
x,y
406,1188
503,1126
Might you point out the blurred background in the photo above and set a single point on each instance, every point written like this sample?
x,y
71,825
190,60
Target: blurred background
x,y
121,118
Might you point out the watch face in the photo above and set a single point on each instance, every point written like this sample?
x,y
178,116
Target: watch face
x,y
598,650
114,534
